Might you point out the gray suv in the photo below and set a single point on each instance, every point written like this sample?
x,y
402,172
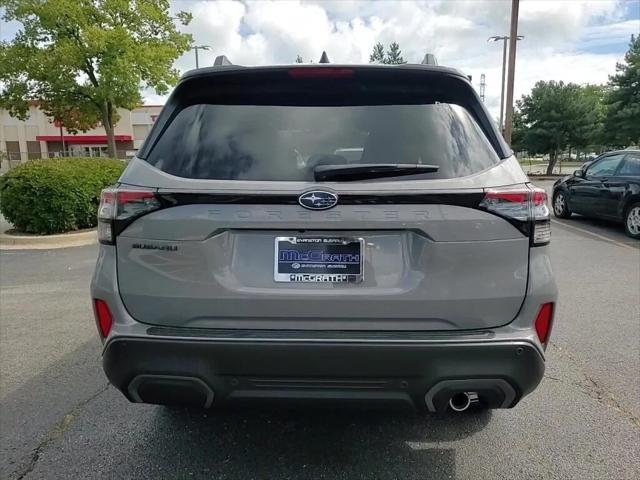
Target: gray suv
x,y
246,255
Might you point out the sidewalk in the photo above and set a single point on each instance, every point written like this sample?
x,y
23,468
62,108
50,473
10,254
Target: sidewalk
x,y
43,242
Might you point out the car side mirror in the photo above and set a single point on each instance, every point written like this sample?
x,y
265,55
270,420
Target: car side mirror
x,y
578,173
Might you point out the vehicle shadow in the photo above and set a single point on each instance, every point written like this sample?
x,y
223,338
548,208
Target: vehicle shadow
x,y
271,442
613,231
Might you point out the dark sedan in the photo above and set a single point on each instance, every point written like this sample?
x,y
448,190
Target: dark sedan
x,y
608,187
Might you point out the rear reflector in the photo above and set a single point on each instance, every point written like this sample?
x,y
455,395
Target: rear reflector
x,y
543,322
103,317
320,72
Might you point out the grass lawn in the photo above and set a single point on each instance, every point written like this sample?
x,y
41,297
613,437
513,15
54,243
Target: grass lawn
x,y
538,161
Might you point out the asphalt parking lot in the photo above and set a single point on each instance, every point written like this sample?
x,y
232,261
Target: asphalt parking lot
x,y
60,419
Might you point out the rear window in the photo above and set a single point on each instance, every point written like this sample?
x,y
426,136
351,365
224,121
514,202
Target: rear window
x,y
285,143
631,165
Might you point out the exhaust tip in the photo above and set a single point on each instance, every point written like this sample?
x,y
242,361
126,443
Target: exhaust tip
x,y
462,401
496,393
171,390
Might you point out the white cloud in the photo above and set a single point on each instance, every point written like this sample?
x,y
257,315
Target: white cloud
x,y
219,25
610,34
558,35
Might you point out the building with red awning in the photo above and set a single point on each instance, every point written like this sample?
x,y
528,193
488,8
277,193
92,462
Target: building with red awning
x,y
40,136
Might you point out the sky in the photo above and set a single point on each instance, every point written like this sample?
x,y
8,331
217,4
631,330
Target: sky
x,y
570,40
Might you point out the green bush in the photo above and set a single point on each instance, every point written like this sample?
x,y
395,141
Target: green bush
x,y
56,195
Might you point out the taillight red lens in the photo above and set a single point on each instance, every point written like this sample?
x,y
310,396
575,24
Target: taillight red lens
x,y
539,197
133,203
103,317
513,197
127,196
544,321
320,72
510,203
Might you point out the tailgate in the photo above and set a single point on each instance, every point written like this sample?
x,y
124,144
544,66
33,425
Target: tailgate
x,y
424,267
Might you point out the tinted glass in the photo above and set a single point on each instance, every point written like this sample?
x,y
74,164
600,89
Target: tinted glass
x,y
247,142
604,167
631,166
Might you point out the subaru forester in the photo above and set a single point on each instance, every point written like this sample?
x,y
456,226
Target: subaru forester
x,y
324,232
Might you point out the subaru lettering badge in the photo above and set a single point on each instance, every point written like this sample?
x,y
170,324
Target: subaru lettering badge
x,y
318,200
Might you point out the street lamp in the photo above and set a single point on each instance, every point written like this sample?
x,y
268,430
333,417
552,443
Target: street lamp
x,y
497,38
199,47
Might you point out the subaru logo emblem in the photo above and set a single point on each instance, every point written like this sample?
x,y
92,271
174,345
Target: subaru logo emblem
x,y
318,200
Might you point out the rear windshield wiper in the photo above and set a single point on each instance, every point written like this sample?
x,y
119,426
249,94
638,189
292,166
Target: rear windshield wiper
x,y
365,171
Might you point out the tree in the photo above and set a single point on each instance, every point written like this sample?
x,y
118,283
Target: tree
x,y
299,59
377,56
550,118
589,114
81,60
392,57
518,133
622,122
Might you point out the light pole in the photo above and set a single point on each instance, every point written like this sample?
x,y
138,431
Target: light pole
x,y
504,39
513,37
199,47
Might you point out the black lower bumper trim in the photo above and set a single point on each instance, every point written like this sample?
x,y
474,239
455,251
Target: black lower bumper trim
x,y
208,372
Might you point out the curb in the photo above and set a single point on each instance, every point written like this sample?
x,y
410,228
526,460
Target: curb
x,y
45,242
544,177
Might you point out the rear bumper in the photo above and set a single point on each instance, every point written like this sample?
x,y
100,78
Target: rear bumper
x,y
424,374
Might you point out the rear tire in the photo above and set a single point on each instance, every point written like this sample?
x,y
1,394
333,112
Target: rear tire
x,y
632,220
561,205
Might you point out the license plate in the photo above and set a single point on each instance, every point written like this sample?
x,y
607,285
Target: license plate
x,y
318,259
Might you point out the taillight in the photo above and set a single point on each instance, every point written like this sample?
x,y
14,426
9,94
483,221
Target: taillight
x,y
119,207
525,206
103,317
540,216
320,72
543,322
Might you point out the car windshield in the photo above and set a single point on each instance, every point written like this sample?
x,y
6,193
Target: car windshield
x,y
286,143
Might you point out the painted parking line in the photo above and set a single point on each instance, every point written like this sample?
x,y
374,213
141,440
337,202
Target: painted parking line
x,y
594,234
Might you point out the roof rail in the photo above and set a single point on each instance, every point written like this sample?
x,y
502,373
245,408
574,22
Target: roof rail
x,y
429,59
324,58
221,60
